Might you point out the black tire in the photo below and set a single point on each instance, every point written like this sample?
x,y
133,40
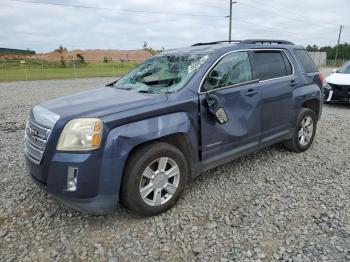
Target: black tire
x,y
293,144
133,173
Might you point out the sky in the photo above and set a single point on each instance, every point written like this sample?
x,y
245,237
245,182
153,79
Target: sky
x,y
168,24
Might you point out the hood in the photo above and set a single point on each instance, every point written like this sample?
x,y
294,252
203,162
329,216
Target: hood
x,y
339,79
100,102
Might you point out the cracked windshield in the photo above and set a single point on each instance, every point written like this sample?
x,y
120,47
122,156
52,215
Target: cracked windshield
x,y
162,74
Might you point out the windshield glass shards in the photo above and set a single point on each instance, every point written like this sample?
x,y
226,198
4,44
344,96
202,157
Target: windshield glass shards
x,y
162,74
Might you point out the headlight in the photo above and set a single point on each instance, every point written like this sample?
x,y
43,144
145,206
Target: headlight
x,y
80,135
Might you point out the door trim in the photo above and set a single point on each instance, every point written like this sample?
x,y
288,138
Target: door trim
x,y
230,86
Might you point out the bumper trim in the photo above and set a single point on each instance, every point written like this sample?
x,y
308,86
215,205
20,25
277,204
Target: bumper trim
x,y
100,205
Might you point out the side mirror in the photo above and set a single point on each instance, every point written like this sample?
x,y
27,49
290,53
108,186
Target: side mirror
x,y
213,78
216,109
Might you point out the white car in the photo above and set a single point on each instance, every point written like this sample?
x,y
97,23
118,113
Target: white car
x,y
337,87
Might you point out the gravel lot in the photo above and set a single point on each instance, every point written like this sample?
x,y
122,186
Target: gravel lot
x,y
270,205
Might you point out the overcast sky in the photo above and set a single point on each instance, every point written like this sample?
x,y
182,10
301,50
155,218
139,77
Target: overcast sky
x,y
44,27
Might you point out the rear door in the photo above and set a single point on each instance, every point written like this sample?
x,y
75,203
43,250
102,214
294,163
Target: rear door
x,y
275,73
230,83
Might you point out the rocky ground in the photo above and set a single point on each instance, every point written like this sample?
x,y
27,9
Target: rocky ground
x,y
271,205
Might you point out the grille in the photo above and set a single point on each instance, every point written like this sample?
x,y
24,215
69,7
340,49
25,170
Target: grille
x,y
341,89
36,137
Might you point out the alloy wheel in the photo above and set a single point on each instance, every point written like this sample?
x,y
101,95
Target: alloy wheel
x,y
306,130
159,181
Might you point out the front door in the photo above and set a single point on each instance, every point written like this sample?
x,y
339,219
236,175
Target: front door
x,y
231,86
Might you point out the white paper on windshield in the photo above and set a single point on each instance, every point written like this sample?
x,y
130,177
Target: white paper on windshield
x,y
194,66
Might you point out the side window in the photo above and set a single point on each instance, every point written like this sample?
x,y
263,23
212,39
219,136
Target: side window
x,y
233,69
288,65
270,64
306,61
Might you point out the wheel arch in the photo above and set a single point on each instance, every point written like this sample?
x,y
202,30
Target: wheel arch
x,y
179,140
177,129
314,105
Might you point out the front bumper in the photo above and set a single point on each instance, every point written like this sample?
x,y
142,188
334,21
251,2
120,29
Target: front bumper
x,y
336,93
98,180
100,205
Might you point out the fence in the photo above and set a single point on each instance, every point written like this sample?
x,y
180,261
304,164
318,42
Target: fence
x,y
320,58
35,69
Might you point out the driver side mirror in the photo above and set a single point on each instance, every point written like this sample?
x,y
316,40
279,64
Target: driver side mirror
x,y
216,109
213,78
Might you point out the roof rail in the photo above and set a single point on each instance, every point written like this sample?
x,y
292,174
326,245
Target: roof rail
x,y
266,41
217,42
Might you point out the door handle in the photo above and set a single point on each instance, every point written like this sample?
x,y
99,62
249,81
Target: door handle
x,y
293,83
251,92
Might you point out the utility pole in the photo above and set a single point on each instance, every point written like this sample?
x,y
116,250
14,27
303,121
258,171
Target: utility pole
x,y
230,23
336,52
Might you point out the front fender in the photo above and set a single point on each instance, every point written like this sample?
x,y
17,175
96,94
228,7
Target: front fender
x,y
123,139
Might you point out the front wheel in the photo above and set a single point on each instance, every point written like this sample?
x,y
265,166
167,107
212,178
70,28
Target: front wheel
x,y
304,132
154,178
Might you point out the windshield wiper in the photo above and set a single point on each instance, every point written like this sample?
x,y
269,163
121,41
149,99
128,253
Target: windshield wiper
x,y
125,87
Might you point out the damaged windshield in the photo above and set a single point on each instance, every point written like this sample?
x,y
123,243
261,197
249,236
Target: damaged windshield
x,y
162,74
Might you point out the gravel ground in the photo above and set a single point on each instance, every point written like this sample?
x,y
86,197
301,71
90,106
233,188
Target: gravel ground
x,y
271,205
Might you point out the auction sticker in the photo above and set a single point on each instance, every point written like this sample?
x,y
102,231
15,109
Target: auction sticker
x,y
194,66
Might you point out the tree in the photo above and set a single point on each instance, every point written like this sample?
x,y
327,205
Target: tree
x,y
105,59
81,59
344,50
150,50
61,49
63,63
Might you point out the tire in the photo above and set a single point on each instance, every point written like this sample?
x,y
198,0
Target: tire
x,y
147,162
295,143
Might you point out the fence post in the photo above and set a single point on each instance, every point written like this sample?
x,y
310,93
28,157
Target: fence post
x,y
42,69
4,68
75,69
25,68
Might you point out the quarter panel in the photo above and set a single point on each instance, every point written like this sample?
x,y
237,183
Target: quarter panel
x,y
303,94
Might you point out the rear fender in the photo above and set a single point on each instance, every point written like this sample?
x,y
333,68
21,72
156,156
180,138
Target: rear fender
x,y
304,94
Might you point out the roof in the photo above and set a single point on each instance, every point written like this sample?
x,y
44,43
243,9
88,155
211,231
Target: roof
x,y
206,48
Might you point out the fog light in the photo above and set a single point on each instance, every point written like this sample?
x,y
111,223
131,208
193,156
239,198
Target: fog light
x,y
72,178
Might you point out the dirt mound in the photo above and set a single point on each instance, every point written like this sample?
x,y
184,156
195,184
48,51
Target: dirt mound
x,y
89,55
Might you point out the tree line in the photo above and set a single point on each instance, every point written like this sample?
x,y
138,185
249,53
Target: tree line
x,y
343,53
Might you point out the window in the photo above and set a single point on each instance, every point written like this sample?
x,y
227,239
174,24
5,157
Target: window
x,y
270,64
233,69
306,61
345,69
287,63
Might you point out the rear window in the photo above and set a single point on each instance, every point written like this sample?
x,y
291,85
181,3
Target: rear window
x,y
270,64
306,61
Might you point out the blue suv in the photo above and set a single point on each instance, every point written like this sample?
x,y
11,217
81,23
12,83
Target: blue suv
x,y
139,140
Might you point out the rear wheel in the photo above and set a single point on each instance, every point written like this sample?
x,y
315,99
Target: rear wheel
x,y
154,178
304,133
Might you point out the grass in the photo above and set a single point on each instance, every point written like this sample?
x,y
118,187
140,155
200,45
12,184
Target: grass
x,y
41,70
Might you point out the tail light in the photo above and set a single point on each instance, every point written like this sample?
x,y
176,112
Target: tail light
x,y
321,76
